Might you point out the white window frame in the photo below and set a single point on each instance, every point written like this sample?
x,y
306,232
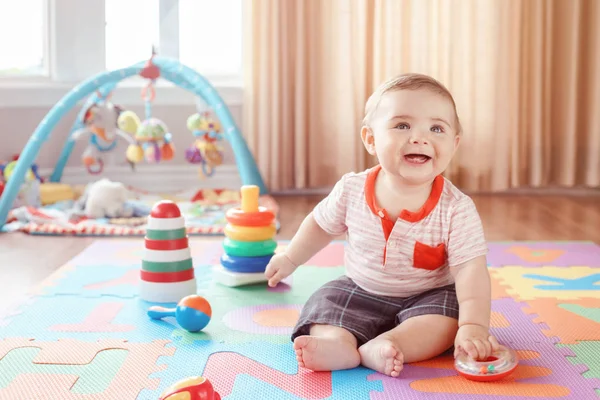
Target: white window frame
x,y
76,50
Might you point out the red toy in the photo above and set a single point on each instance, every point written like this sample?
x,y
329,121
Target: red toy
x,y
196,387
502,363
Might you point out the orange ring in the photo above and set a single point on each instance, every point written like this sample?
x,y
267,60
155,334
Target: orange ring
x,y
263,217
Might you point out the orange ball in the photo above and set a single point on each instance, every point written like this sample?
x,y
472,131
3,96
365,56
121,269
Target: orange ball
x,y
198,303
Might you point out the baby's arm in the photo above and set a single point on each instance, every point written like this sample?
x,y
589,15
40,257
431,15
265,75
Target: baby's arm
x,y
319,228
467,259
308,241
473,290
474,293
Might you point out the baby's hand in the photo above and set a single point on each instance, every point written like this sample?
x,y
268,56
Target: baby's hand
x,y
476,341
280,267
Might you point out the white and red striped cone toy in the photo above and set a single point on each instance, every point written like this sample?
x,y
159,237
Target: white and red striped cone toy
x,y
167,273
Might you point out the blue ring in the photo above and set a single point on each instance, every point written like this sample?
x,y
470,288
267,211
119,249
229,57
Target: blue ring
x,y
245,264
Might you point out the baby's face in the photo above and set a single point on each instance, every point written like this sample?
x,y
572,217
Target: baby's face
x,y
414,134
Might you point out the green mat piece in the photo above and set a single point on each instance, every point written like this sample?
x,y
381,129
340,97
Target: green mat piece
x,y
225,299
586,353
93,378
585,312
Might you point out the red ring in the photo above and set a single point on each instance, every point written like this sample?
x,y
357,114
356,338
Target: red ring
x,y
263,217
172,244
164,277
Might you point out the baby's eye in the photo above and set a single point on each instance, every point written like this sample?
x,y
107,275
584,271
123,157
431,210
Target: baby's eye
x,y
403,125
437,129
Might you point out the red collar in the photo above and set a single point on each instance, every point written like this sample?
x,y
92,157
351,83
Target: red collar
x,y
409,216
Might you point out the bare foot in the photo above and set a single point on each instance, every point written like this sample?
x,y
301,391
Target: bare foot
x,y
325,353
382,356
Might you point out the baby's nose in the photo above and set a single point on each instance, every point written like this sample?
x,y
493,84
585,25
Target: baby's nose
x,y
418,139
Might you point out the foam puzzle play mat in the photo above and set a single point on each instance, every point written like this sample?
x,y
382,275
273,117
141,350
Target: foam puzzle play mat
x,y
85,333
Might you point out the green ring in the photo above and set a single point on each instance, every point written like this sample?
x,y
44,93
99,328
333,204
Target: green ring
x,y
171,266
249,249
154,234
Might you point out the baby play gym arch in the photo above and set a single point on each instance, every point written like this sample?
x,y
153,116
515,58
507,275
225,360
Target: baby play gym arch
x,y
99,88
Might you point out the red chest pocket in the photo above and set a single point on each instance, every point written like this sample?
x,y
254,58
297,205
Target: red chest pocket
x,y
428,257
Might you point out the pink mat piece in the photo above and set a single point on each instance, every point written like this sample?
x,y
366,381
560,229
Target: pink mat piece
x,y
305,384
133,376
99,320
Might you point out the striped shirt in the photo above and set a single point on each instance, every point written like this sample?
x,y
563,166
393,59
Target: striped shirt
x,y
408,256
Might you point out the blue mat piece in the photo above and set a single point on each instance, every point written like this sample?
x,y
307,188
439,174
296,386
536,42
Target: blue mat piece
x,y
53,318
590,282
193,359
109,280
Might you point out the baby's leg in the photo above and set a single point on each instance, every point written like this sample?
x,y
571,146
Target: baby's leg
x,y
327,348
427,328
416,339
335,320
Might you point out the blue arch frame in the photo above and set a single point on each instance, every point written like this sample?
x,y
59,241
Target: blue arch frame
x,y
105,82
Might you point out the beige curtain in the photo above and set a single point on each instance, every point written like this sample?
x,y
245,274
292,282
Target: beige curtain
x,y
525,75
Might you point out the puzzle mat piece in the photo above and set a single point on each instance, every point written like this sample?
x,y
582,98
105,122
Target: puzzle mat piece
x,y
125,252
63,317
14,308
585,354
251,313
549,282
262,370
114,277
512,325
536,254
94,377
103,280
566,325
65,369
91,318
543,373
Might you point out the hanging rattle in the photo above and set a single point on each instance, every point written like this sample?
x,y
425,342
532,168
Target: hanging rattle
x,y
152,137
100,121
205,150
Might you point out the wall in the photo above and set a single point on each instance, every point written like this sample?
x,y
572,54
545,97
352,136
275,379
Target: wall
x,y
19,118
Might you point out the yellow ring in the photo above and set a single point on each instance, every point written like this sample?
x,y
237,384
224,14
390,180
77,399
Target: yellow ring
x,y
250,233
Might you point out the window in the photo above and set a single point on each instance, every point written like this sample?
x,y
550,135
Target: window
x,y
132,28
23,38
206,35
210,36
51,45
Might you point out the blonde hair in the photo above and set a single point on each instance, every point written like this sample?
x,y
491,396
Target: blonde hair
x,y
410,81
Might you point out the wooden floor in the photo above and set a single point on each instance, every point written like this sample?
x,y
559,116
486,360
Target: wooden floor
x,y
26,260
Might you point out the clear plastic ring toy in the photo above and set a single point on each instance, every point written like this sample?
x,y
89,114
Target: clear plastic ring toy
x,y
502,363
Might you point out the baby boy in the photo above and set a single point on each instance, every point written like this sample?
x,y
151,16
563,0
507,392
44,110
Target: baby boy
x,y
416,279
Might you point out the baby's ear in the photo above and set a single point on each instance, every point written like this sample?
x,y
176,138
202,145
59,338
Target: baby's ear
x,y
456,141
368,139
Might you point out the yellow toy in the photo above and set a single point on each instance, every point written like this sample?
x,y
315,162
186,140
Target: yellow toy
x,y
205,151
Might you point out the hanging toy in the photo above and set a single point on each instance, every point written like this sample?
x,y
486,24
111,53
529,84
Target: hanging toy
x,y
152,137
100,122
204,150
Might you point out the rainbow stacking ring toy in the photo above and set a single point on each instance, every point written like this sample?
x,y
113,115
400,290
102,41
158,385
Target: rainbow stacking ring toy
x,y
502,363
249,243
167,273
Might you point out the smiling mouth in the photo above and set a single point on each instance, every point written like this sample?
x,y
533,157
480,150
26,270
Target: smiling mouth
x,y
417,158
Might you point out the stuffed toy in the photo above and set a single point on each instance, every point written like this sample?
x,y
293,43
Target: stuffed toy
x,y
107,199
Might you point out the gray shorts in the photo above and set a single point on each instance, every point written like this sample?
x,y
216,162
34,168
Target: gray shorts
x,y
343,303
